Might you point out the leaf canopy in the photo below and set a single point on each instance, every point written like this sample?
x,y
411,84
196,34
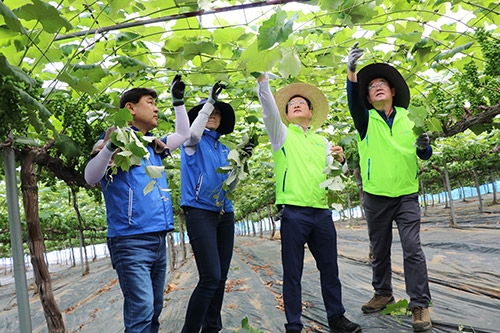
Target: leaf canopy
x,y
93,51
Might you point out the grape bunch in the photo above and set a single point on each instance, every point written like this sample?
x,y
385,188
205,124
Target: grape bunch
x,y
492,92
72,114
76,119
470,85
491,52
55,103
10,100
446,105
440,101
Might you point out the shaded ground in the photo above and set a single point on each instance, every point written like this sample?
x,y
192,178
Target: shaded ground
x,y
463,264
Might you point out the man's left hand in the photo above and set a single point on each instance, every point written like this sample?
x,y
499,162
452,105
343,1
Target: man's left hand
x,y
423,141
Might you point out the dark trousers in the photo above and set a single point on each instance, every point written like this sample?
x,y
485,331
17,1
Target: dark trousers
x,y
314,227
380,212
211,236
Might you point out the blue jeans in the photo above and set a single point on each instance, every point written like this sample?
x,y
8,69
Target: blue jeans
x,y
211,236
141,263
314,227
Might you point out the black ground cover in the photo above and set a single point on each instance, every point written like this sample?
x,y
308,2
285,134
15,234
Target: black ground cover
x,y
463,264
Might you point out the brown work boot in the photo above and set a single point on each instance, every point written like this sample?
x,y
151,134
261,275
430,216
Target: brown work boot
x,y
420,319
377,303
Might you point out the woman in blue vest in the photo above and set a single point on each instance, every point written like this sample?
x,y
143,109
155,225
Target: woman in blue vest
x,y
209,213
300,156
378,98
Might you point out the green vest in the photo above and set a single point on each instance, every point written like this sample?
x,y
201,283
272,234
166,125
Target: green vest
x,y
388,159
299,166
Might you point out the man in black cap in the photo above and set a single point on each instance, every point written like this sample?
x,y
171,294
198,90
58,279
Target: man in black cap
x,y
378,99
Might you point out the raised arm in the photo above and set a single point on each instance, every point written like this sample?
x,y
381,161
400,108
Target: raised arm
x,y
198,125
357,108
181,134
270,113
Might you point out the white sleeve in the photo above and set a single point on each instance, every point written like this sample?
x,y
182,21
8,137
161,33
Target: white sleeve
x,y
97,166
271,115
181,134
197,128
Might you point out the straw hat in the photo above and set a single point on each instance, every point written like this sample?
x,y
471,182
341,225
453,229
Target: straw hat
x,y
227,120
317,98
391,74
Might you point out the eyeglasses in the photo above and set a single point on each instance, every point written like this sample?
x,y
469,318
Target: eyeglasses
x,y
381,84
292,104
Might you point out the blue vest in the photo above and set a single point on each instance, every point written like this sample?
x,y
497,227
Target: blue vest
x,y
201,185
131,212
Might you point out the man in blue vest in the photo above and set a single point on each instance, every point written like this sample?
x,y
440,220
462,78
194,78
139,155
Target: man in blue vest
x,y
300,156
378,98
137,221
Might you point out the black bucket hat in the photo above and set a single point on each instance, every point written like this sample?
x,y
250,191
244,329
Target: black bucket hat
x,y
391,74
227,120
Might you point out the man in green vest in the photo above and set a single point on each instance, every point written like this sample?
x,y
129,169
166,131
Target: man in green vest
x,y
300,156
378,98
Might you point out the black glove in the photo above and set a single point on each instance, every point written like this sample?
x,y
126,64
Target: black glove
x,y
215,91
352,58
165,153
248,148
423,141
111,146
107,138
177,90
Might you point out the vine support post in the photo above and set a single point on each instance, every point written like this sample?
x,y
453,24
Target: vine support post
x,y
494,188
478,189
23,305
453,218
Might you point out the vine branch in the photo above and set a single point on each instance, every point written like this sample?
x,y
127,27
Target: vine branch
x,y
201,12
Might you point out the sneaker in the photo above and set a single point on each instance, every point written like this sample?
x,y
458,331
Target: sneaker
x,y
377,303
343,325
420,319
